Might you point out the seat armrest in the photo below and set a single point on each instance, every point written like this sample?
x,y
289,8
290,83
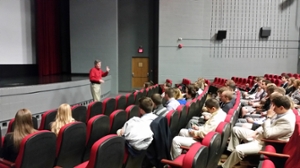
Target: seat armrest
x,y
6,162
171,163
274,141
185,147
274,154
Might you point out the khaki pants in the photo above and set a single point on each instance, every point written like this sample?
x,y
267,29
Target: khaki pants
x,y
240,150
96,91
184,139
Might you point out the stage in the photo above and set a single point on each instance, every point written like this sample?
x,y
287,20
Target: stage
x,y
40,94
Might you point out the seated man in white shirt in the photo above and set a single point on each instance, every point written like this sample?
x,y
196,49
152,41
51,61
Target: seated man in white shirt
x,y
171,103
187,137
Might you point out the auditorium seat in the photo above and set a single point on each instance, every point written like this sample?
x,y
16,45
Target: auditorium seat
x,y
137,96
182,116
70,144
107,152
97,127
156,88
109,105
130,99
132,111
11,124
196,157
121,102
290,155
94,108
173,119
47,118
224,130
36,150
133,160
191,111
79,113
117,119
143,92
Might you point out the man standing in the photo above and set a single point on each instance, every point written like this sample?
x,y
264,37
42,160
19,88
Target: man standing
x,y
96,75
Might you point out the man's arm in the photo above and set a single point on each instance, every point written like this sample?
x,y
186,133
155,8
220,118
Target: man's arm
x,y
281,129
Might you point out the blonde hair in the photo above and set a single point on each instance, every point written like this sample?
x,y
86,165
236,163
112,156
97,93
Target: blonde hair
x,y
201,83
177,94
23,126
63,117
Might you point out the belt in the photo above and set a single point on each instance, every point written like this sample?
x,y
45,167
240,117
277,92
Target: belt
x,y
95,83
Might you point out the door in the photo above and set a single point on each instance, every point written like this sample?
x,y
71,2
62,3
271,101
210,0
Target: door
x,y
140,72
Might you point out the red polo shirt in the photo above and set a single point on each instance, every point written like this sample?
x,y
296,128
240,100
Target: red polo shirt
x,y
97,74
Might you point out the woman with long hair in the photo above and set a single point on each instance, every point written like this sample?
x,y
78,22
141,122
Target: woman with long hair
x,y
63,117
23,127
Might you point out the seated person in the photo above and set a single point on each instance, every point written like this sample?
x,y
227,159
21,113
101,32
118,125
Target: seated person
x,y
171,102
290,88
148,84
255,97
187,137
279,125
139,140
158,108
284,79
63,117
201,84
167,85
23,127
179,97
226,99
258,82
190,93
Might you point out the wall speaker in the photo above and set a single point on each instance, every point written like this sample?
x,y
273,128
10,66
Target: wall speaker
x,y
221,35
265,32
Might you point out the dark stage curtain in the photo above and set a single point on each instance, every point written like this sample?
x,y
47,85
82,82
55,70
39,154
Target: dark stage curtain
x,y
48,37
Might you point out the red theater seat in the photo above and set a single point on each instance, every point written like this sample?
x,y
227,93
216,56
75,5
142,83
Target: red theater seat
x,y
132,111
47,118
109,105
121,102
117,120
173,119
94,108
79,113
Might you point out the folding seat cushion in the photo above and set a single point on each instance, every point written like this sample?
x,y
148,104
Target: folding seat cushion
x,y
121,102
109,105
94,108
11,124
107,152
182,116
36,150
79,113
70,144
137,96
117,119
130,99
47,118
224,130
196,157
132,111
173,119
97,127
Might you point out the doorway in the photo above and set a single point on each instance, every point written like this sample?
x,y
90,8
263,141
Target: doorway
x,y
140,72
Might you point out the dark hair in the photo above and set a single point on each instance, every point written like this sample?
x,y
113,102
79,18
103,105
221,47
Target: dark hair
x,y
168,84
96,62
157,99
148,84
283,101
210,103
232,86
191,90
146,104
222,89
271,89
170,92
266,81
285,76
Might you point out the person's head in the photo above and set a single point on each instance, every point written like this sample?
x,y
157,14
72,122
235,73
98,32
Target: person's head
x,y
275,94
259,80
284,78
157,99
270,89
221,90
229,82
147,84
167,85
23,126
169,93
226,96
264,84
231,87
201,83
280,90
97,64
282,104
291,81
297,83
177,94
146,104
196,86
190,92
212,105
63,117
